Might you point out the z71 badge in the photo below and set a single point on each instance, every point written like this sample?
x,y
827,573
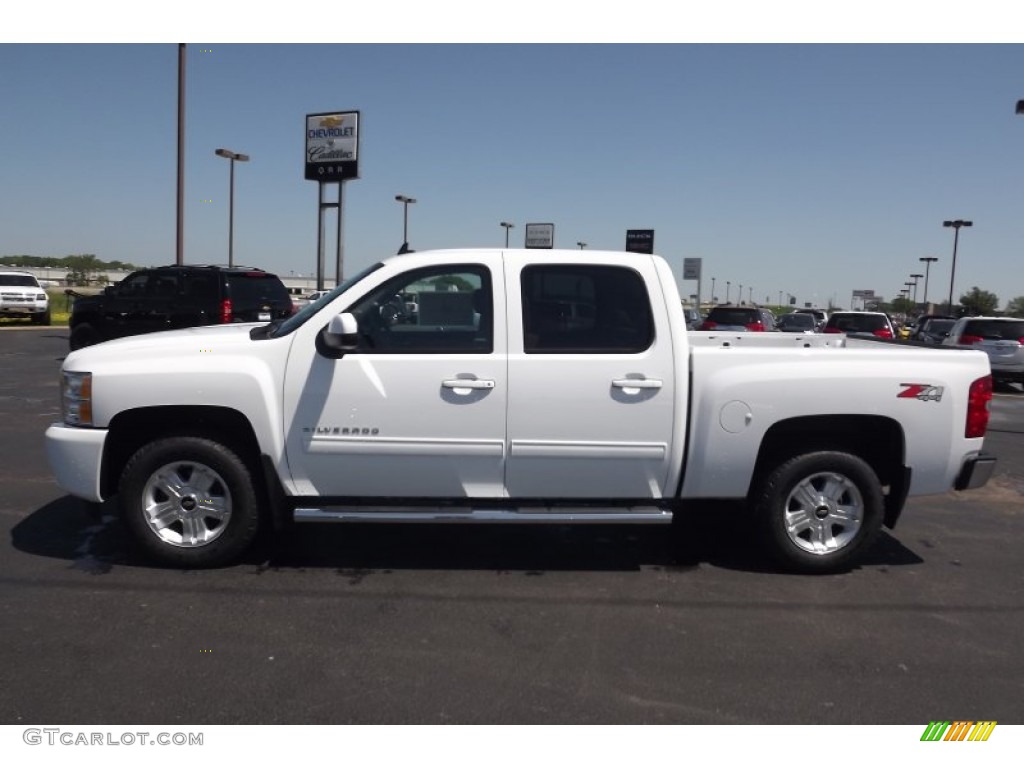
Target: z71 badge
x,y
921,392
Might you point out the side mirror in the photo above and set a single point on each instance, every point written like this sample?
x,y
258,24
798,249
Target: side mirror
x,y
342,334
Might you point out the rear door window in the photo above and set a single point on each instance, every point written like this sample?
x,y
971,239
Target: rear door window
x,y
585,308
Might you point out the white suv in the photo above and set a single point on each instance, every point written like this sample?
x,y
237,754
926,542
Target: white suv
x,y
21,295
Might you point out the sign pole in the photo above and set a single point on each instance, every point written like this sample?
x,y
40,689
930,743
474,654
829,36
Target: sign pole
x,y
331,157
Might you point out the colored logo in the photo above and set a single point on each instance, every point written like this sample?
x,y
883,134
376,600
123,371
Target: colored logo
x,y
958,730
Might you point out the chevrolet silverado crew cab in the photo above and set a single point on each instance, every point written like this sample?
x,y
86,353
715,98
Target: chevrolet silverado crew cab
x,y
525,386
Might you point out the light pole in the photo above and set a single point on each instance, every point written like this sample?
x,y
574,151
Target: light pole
x,y
750,295
728,286
916,278
712,290
581,244
739,296
955,224
231,156
927,267
405,201
507,225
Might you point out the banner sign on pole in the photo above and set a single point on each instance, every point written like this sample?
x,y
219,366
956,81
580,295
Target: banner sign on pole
x,y
691,269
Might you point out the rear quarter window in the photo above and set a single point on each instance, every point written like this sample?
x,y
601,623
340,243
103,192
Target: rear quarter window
x,y
252,289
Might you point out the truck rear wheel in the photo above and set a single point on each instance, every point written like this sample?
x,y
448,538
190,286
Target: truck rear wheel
x,y
821,511
189,502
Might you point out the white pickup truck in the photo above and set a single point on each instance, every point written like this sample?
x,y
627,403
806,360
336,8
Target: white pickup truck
x,y
513,386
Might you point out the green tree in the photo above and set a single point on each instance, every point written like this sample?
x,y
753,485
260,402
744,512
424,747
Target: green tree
x,y
979,302
1016,307
902,306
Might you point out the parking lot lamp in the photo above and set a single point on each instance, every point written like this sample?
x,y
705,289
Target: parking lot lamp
x,y
507,225
231,156
916,278
712,290
405,201
955,224
581,244
728,286
928,260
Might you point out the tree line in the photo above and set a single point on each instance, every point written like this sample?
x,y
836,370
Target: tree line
x,y
81,267
86,262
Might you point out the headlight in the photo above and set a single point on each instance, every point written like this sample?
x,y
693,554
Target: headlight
x,y
76,398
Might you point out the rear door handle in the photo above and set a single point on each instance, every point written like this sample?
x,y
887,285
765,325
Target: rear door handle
x,y
637,383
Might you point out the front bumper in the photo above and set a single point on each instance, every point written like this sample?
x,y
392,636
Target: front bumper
x,y
76,458
975,472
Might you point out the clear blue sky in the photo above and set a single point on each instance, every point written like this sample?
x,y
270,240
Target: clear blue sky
x,y
805,169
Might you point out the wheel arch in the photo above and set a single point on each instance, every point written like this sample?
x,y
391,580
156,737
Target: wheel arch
x,y
878,440
131,429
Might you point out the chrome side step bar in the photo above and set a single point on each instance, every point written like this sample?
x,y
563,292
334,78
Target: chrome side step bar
x,y
531,515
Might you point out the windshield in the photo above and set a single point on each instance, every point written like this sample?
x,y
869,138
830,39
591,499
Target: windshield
x,y
796,321
23,280
287,326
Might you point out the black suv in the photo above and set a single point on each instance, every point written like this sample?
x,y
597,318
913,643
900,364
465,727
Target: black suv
x,y
164,298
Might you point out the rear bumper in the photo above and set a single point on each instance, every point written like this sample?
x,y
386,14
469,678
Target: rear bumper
x,y
975,472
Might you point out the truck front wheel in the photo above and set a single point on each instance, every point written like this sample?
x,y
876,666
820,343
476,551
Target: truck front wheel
x,y
189,502
821,511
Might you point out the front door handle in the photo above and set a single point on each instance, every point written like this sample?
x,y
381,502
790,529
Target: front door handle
x,y
637,383
468,384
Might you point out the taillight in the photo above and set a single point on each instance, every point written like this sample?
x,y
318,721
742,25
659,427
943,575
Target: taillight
x,y
968,338
226,315
755,326
977,407
832,330
883,333
707,325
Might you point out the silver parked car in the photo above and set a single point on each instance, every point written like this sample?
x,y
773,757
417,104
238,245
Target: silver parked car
x,y
1001,338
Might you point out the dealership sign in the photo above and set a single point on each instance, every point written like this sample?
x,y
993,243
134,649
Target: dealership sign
x,y
540,235
691,269
332,146
640,240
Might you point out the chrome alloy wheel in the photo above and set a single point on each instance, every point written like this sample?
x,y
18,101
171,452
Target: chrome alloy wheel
x,y
824,512
186,504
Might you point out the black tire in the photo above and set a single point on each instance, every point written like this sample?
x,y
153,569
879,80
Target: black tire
x,y
210,512
820,511
41,319
83,335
